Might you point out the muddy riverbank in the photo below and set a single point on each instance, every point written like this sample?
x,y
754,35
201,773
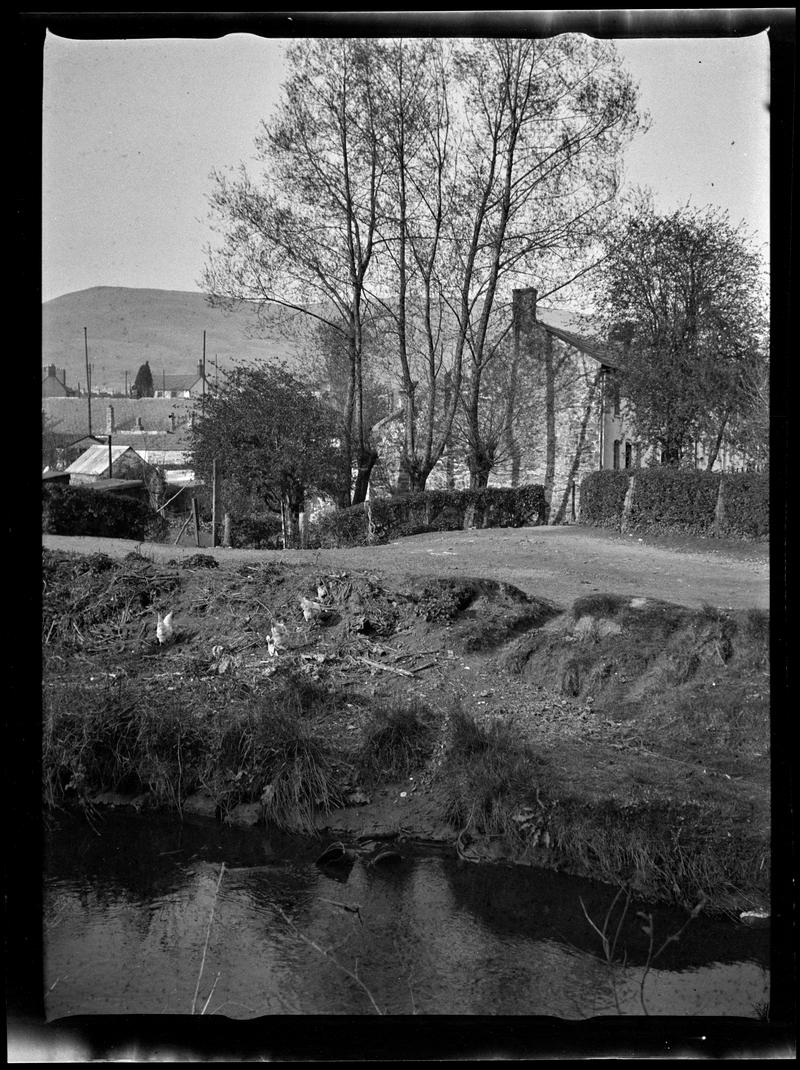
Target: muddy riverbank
x,y
618,737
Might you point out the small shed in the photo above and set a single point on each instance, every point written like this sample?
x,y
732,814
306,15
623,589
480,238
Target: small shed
x,y
125,463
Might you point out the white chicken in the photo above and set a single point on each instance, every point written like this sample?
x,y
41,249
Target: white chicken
x,y
311,610
322,590
277,639
164,629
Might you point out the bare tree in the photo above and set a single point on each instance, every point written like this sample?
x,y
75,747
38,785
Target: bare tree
x,y
303,235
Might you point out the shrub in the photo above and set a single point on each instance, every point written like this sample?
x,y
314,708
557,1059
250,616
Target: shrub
x,y
602,496
344,527
674,500
257,531
435,510
68,510
745,505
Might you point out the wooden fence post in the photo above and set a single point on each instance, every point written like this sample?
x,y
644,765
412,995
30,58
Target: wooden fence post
x,y
302,524
196,518
226,530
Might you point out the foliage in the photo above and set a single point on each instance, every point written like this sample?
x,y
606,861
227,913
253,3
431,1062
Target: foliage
x,y
256,531
602,495
745,505
398,739
433,510
685,299
272,440
68,510
143,383
675,500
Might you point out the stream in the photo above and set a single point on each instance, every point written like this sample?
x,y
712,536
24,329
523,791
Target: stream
x,y
142,918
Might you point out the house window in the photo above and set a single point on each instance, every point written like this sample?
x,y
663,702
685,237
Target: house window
x,y
616,454
628,455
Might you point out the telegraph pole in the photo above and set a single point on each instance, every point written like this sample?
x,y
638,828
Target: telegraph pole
x,y
88,376
203,402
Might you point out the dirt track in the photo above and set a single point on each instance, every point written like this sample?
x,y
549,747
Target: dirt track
x,y
560,564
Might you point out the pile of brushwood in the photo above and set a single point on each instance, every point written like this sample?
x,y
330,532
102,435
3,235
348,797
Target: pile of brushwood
x,y
623,739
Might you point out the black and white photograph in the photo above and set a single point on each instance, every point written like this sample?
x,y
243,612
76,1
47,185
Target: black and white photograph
x,y
411,615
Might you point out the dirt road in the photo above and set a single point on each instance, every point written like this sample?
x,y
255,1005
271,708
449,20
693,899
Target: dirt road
x,y
560,564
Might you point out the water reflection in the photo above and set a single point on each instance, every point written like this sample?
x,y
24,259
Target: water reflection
x,y
127,915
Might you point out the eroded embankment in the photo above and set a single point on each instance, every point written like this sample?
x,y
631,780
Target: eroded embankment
x,y
622,738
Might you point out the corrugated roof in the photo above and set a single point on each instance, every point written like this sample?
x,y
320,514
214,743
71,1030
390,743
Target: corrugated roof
x,y
113,484
95,460
577,330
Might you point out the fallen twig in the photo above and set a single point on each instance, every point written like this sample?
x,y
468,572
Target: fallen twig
x,y
352,974
385,668
205,946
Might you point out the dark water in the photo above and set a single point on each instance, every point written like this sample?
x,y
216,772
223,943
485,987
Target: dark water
x,y
127,914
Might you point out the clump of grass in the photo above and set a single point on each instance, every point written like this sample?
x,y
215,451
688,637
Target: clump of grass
x,y
486,775
398,739
236,747
599,605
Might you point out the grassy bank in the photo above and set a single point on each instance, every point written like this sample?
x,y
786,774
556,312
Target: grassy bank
x,y
618,740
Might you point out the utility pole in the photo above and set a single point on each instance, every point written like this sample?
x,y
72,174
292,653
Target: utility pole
x,y
88,376
203,402
214,502
126,384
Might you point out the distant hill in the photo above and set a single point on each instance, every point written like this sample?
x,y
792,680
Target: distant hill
x,y
125,327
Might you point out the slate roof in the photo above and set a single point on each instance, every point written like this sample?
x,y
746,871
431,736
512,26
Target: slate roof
x,y
71,414
577,330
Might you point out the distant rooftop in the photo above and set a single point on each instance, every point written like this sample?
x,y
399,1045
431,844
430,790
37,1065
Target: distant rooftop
x,y
577,330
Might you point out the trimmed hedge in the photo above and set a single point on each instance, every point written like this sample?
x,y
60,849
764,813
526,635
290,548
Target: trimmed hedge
x,y
68,510
678,501
602,495
745,506
435,510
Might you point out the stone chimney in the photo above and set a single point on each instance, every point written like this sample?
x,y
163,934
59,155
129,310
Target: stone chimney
x,y
524,307
199,369
138,424
51,371
172,422
109,419
64,376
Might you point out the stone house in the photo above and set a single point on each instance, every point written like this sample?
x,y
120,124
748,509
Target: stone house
x,y
54,383
181,386
570,419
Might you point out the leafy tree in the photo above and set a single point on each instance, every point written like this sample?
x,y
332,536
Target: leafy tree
x,y
304,235
143,383
273,440
683,293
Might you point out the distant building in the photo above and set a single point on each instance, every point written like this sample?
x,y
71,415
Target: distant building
x,y
181,386
54,383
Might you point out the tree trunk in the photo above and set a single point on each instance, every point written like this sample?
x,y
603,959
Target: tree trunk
x,y
576,460
550,425
366,462
717,444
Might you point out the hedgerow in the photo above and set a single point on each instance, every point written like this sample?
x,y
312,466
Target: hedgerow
x,y
68,510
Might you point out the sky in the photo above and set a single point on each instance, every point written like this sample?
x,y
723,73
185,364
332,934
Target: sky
x,y
131,130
